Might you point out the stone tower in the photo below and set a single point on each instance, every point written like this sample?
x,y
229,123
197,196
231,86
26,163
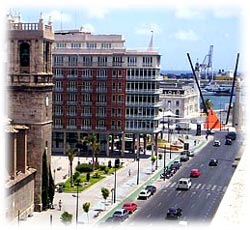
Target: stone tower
x,y
30,87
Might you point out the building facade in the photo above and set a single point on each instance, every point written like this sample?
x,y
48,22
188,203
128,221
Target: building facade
x,y
30,92
181,100
101,87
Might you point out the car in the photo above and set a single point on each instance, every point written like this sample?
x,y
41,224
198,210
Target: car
x,y
121,213
195,172
151,188
210,132
144,194
228,141
129,206
184,158
114,219
184,183
217,143
176,165
174,213
190,153
213,162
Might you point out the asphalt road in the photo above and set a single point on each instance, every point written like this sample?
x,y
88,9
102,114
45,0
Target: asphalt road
x,y
200,203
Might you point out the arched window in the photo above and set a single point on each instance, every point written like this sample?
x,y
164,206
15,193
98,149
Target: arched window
x,y
177,112
24,55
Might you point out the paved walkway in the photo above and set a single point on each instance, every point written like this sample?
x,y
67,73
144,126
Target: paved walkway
x,y
99,209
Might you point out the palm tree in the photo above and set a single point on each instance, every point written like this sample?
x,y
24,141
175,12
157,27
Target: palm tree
x,y
71,154
208,104
85,208
92,142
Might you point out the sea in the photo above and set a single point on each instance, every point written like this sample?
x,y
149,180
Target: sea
x,y
219,102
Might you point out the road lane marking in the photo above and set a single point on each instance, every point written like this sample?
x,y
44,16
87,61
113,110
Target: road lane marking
x,y
172,185
213,188
198,186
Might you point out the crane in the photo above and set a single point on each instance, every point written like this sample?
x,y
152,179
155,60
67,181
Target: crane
x,y
206,65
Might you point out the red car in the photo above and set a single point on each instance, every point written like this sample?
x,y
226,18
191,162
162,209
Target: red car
x,y
129,206
195,173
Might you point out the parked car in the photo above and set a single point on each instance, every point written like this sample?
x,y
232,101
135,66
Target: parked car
x,y
228,141
144,194
184,158
213,162
176,165
217,143
195,172
121,213
189,153
151,188
174,213
114,219
129,206
184,183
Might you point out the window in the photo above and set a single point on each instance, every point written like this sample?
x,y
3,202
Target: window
x,y
87,60
72,97
58,60
24,54
86,73
76,45
58,110
60,45
177,103
102,73
117,61
91,45
102,60
106,45
58,73
132,61
73,60
71,110
72,86
86,86
147,61
58,85
57,97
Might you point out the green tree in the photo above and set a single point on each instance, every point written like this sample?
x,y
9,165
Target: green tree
x,y
71,154
45,182
85,208
92,142
66,217
105,194
51,188
208,103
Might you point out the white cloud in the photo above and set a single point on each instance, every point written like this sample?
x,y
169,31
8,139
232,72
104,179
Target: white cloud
x,y
186,35
57,16
188,13
145,29
88,28
97,12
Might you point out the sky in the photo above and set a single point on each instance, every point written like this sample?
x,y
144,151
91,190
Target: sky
x,y
178,27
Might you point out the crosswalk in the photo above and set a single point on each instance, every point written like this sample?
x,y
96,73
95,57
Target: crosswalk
x,y
200,186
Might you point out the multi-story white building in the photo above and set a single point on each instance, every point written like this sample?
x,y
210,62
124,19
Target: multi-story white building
x,y
181,100
101,87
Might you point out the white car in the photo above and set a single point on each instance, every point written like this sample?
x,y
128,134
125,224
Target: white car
x,y
144,194
184,183
217,143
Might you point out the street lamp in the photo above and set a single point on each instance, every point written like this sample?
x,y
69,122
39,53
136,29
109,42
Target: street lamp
x,y
164,162
117,164
138,165
77,196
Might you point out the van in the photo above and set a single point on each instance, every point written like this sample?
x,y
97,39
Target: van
x,y
184,183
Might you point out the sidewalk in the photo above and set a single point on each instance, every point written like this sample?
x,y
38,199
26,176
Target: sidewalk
x,y
99,209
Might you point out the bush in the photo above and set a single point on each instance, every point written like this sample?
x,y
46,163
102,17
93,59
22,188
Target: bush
x,y
84,168
96,175
66,218
102,167
76,175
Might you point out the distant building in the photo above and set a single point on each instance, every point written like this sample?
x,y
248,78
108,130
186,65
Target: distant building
x,y
181,100
102,88
29,86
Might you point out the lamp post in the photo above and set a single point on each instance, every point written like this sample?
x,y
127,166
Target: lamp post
x,y
164,161
77,196
115,186
138,166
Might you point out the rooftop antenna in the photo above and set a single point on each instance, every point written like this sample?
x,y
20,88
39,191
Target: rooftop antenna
x,y
150,45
